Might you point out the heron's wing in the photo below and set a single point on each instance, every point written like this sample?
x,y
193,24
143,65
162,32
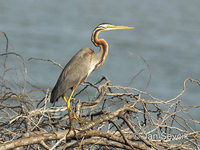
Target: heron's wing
x,y
74,72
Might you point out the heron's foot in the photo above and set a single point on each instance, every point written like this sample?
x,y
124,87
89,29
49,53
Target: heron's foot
x,y
77,118
70,109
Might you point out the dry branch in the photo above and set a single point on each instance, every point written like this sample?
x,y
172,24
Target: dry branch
x,y
116,117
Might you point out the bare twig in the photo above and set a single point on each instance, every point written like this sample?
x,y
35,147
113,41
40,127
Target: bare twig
x,y
117,117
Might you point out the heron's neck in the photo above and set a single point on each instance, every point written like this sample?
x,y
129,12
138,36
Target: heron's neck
x,y
103,47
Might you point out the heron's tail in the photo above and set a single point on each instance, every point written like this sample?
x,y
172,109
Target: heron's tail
x,y
54,97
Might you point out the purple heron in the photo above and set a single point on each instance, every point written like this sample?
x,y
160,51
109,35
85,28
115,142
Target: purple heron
x,y
81,65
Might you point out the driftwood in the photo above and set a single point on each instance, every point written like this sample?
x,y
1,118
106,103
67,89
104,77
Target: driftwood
x,y
116,117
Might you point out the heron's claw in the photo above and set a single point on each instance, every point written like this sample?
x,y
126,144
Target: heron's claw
x,y
75,117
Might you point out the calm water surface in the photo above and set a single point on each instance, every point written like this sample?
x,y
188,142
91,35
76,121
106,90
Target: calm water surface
x,y
166,34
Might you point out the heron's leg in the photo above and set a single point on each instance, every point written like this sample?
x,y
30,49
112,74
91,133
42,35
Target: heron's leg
x,y
63,96
69,107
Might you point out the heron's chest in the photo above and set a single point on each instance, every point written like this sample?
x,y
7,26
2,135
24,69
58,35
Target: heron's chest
x,y
92,66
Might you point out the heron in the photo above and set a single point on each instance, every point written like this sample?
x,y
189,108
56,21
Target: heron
x,y
81,65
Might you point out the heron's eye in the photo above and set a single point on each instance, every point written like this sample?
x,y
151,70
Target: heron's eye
x,y
102,26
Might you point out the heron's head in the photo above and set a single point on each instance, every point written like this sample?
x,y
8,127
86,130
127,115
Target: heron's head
x,y
107,27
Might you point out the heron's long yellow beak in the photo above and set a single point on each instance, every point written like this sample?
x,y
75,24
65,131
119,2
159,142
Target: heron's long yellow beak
x,y
122,27
113,27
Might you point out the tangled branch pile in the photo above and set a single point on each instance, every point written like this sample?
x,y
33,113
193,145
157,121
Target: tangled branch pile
x,y
116,117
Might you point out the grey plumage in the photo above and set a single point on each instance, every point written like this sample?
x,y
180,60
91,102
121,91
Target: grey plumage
x,y
74,72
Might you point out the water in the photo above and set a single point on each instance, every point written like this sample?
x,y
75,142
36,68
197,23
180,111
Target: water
x,y
166,34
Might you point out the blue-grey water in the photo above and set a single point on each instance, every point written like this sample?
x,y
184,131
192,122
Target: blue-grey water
x,y
166,35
